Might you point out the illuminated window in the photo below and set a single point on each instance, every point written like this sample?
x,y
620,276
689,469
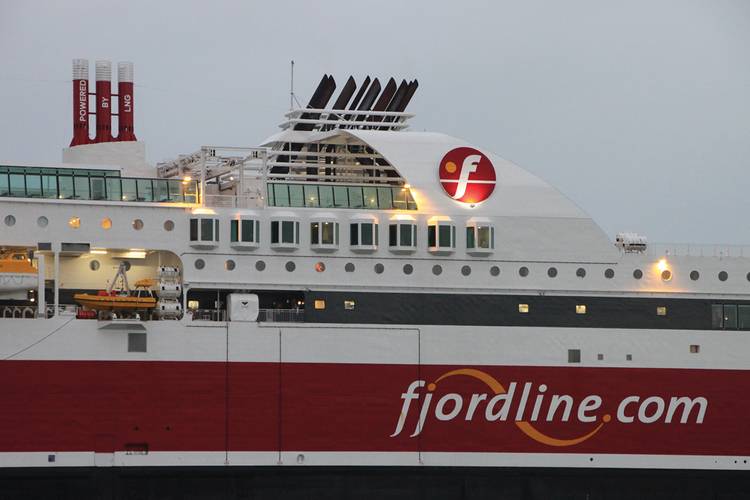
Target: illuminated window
x,y
74,222
666,275
193,305
581,309
480,237
661,311
324,235
523,308
349,305
320,304
106,223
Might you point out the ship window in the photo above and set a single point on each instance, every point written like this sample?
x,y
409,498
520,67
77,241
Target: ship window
x,y
628,357
363,235
168,225
290,266
637,274
523,308
340,197
379,268
717,316
495,271
743,317
193,305
666,275
260,265
480,237
349,267
324,234
311,196
441,236
609,273
320,267
466,270
320,304
203,230
523,271
730,317
106,223
552,272
349,305
73,222
695,348
574,355
42,221
402,236
296,196
284,233
581,272
600,357
661,311
10,220
138,225
244,232
581,309
229,265
437,269
200,263
723,276
94,265
408,269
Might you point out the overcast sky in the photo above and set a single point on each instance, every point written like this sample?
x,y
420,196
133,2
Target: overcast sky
x,y
638,110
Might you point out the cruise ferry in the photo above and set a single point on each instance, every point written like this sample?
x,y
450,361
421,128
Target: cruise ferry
x,y
351,309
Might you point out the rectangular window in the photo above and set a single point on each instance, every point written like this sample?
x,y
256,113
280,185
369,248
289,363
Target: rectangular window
x,y
744,317
281,194
717,316
17,185
695,348
4,189
523,308
128,190
145,190
581,309
326,196
314,232
136,342
207,229
349,305
81,186
367,233
98,189
485,237
114,189
661,311
234,230
33,186
49,186
193,229
311,196
406,230
393,235
340,197
271,195
320,304
371,197
327,233
445,236
274,231
385,198
287,232
399,198
574,355
248,233
431,240
355,197
470,237
296,196
730,317
354,234
162,190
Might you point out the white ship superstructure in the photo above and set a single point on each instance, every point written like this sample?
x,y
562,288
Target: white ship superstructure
x,y
352,294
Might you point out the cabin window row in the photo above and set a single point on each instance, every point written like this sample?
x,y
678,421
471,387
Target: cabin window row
x,y
324,234
730,317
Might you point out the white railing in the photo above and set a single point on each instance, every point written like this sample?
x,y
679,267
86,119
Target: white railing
x,y
697,250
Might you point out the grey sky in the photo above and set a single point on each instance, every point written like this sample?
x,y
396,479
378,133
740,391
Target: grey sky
x,y
638,110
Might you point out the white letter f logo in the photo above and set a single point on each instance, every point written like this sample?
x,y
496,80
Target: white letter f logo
x,y
469,166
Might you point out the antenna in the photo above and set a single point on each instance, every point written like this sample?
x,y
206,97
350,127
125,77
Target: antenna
x,y
291,88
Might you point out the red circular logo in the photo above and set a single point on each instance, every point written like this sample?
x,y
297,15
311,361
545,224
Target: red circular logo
x,y
467,175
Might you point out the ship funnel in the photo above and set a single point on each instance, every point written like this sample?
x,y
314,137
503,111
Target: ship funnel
x,y
103,101
80,102
126,130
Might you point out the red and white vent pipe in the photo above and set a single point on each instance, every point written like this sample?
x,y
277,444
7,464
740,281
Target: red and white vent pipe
x,y
103,106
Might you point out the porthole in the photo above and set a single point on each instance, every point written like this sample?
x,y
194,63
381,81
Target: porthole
x,y
466,270
10,220
290,266
229,265
260,265
552,272
137,224
349,267
168,225
523,271
379,268
581,272
126,265
42,221
723,276
666,275
94,265
200,263
320,267
437,269
637,274
694,275
408,269
609,273
106,223
495,271
73,222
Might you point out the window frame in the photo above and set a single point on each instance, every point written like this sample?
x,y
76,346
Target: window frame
x,y
473,228
399,228
197,227
317,230
277,228
435,232
237,233
358,246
